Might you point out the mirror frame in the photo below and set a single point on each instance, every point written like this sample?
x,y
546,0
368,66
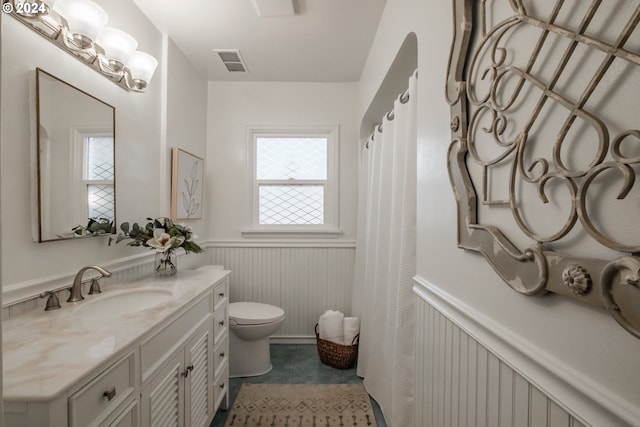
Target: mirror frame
x,y
37,146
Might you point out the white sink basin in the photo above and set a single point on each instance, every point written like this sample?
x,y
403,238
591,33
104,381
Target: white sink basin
x,y
123,302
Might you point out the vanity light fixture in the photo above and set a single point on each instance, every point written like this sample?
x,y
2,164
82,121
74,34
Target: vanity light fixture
x,y
79,28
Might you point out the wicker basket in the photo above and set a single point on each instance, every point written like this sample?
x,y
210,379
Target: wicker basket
x,y
337,355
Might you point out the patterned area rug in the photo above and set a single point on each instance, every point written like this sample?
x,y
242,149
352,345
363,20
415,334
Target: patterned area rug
x,y
294,405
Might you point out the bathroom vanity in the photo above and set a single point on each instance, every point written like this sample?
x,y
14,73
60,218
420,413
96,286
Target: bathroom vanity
x,y
148,353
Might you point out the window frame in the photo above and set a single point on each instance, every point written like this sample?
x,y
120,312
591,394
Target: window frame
x,y
330,227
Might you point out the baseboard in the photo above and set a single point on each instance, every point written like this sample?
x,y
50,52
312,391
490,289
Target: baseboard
x,y
292,340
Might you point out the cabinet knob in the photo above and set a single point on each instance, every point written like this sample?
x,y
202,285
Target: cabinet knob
x,y
110,394
221,386
221,354
221,323
221,294
186,372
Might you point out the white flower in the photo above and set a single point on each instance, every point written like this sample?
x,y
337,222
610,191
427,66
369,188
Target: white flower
x,y
162,242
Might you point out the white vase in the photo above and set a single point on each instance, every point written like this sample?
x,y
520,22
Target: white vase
x,y
165,263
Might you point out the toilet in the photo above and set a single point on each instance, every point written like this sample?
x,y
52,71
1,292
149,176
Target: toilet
x,y
250,325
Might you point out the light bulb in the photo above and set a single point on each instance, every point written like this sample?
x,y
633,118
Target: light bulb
x,y
142,66
118,47
85,19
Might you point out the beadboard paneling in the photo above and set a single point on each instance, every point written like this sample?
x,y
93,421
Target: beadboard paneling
x,y
462,383
303,281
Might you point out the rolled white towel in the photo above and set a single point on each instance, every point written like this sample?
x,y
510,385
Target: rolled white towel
x,y
351,329
330,326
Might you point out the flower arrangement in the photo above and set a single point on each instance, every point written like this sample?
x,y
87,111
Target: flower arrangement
x,y
162,235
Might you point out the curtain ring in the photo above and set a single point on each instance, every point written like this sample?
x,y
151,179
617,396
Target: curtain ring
x,y
370,140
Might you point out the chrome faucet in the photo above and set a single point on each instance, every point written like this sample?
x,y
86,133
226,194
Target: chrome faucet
x,y
76,289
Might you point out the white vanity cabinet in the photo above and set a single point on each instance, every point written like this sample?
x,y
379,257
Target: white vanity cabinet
x,y
165,366
181,394
185,372
177,370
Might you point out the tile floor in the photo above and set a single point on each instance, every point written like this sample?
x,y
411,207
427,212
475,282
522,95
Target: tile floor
x,y
297,364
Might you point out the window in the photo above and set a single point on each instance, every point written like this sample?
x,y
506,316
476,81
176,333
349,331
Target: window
x,y
99,177
294,180
94,175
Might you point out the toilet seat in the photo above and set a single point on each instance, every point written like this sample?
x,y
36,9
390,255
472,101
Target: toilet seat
x,y
254,313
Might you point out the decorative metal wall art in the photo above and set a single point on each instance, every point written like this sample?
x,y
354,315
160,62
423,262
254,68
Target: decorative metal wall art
x,y
545,152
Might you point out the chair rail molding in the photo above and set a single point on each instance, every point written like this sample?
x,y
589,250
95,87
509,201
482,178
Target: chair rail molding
x,y
545,153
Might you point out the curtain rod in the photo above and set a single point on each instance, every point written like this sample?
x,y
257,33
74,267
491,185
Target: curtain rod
x,y
403,98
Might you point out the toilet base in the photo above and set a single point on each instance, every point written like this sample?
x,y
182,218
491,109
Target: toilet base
x,y
248,358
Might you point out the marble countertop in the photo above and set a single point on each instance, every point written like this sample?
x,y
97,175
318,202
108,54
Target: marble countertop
x,y
46,353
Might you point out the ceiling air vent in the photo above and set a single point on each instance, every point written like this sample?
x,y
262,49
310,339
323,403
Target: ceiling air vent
x,y
232,59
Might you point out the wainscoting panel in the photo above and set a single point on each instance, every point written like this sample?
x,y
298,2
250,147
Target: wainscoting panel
x,y
462,383
303,281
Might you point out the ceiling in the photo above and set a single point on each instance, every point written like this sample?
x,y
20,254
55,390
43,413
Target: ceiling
x,y
324,41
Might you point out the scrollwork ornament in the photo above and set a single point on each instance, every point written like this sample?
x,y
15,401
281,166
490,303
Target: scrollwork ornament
x,y
518,130
577,279
615,278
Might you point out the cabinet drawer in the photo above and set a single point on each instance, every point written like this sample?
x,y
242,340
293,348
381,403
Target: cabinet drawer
x,y
221,294
220,325
221,388
220,355
95,401
128,417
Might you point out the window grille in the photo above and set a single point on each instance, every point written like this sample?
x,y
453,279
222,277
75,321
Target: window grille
x,y
294,180
99,177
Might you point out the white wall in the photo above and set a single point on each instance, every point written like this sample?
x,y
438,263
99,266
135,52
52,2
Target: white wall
x,y
185,126
305,277
142,151
234,106
569,348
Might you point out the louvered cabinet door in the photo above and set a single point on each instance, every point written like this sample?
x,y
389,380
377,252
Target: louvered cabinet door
x,y
162,401
199,381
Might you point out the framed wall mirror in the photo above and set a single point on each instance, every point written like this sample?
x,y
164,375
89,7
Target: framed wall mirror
x,y
75,161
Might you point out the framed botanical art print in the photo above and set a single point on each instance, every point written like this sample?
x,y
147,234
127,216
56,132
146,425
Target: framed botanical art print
x,y
186,185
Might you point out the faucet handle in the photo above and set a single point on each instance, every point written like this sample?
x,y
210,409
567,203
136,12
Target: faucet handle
x,y
53,303
95,287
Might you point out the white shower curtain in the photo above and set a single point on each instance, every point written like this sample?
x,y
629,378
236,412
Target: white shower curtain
x,y
385,262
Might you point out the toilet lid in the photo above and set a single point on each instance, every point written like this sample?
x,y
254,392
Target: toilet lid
x,y
254,313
